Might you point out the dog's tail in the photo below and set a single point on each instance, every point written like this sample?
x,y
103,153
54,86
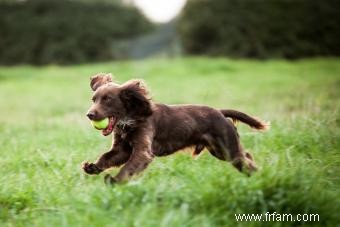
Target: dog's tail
x,y
251,121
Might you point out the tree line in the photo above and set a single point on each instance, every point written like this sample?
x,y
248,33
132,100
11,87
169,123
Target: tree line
x,y
261,28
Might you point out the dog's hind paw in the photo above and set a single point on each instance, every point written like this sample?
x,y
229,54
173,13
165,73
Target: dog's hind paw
x,y
109,180
90,168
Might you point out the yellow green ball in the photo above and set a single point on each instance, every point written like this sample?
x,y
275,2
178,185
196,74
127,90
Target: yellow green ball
x,y
102,124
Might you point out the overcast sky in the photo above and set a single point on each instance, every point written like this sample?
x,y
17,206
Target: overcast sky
x,y
160,10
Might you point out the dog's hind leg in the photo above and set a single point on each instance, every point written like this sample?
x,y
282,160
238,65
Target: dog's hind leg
x,y
225,145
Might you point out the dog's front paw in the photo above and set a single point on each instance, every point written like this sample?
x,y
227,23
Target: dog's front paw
x,y
91,168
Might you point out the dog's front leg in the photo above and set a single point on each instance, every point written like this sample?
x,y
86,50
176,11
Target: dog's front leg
x,y
118,155
115,157
136,164
139,160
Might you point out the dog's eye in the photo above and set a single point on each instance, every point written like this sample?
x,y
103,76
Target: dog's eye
x,y
93,99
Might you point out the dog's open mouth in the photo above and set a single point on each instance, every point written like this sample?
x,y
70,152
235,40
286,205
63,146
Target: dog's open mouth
x,y
107,131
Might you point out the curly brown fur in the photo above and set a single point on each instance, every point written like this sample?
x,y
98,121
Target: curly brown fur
x,y
143,129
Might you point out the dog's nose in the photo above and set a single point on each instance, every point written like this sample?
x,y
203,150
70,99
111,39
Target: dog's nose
x,y
90,115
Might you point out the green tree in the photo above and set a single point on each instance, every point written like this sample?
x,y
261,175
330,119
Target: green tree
x,y
64,32
261,28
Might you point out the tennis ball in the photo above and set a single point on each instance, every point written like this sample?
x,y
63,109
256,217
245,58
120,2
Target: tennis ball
x,y
102,124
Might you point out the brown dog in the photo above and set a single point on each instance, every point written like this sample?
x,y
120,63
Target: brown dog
x,y
144,129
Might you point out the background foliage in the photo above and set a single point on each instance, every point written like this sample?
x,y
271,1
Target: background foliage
x,y
261,28
63,31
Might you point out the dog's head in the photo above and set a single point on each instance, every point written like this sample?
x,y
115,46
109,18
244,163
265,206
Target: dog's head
x,y
116,102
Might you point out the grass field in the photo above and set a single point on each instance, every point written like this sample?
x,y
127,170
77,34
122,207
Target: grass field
x,y
45,136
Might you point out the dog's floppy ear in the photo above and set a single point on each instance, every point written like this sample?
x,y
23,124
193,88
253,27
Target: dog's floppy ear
x,y
100,79
134,96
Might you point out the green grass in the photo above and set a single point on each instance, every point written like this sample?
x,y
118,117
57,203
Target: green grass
x,y
45,136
